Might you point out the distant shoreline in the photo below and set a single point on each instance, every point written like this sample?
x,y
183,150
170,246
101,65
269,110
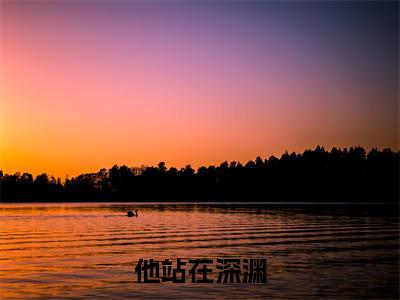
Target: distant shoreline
x,y
314,176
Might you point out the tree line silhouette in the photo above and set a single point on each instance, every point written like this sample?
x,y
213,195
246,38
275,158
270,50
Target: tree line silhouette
x,y
339,175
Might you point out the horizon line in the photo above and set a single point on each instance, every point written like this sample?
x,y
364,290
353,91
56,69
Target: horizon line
x,y
326,149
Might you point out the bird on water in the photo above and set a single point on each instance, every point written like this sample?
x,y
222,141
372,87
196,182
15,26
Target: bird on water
x,y
132,214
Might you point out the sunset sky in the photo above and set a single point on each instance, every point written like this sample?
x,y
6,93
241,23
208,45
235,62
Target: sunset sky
x,y
90,84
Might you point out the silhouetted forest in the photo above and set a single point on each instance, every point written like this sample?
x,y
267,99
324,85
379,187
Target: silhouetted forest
x,y
339,175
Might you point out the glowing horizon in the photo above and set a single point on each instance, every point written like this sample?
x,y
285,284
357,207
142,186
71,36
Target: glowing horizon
x,y
87,85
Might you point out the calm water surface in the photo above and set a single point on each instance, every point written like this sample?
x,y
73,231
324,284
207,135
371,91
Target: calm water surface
x,y
77,250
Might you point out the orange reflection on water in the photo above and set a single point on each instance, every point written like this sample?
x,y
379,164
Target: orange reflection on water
x,y
90,250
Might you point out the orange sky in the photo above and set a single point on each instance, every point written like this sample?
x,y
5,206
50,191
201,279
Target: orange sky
x,y
193,85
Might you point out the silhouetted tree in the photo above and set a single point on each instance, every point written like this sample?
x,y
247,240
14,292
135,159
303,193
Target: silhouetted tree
x,y
315,175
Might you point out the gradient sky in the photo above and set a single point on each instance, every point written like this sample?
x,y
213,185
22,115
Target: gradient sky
x,y
90,84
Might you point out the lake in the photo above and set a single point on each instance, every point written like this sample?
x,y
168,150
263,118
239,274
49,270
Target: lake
x,y
90,250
